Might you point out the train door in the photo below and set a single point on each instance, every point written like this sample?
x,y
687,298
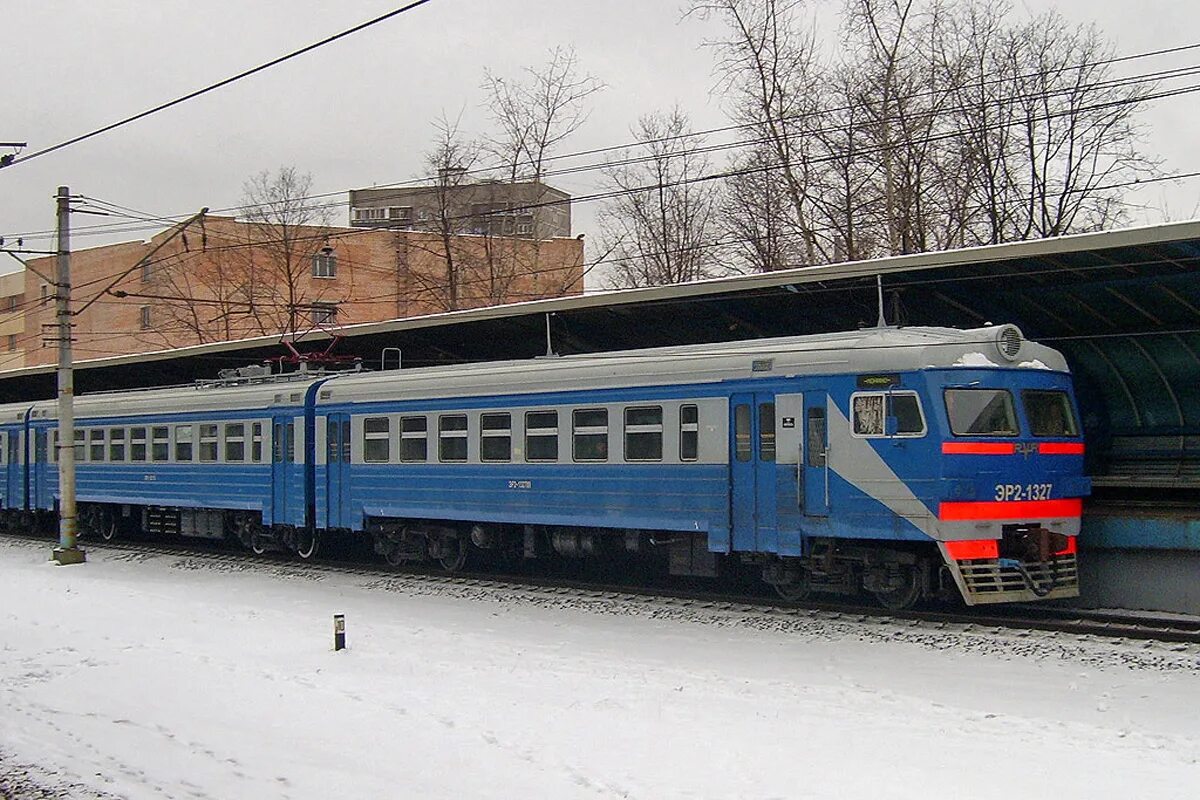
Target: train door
x,y
337,468
283,453
816,454
15,485
38,468
753,502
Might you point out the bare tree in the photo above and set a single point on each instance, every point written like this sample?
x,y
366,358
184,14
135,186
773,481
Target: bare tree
x,y
658,225
536,114
283,235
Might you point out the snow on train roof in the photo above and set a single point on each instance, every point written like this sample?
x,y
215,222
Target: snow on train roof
x,y
867,350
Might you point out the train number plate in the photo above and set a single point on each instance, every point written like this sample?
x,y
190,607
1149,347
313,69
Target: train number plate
x,y
1006,492
520,484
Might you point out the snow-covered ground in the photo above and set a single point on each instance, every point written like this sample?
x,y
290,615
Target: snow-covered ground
x,y
171,676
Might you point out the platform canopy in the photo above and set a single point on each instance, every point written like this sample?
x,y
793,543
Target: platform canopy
x,y
1123,305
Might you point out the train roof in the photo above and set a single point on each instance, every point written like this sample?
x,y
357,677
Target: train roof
x,y
867,350
862,351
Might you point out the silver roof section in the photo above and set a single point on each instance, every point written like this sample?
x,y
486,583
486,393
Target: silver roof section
x,y
871,350
1038,248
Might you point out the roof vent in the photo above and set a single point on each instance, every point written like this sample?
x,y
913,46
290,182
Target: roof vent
x,y
1008,341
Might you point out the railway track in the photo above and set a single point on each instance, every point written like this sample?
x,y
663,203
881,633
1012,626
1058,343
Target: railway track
x,y
1078,622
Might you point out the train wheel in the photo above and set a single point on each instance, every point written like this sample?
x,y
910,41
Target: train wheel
x,y
794,591
307,543
258,544
906,595
453,553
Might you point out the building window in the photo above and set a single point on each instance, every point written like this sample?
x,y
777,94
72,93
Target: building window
x,y
11,302
370,214
689,433
452,437
376,440
324,264
590,434
324,313
12,342
147,271
400,213
541,436
145,318
45,294
495,437
414,442
643,433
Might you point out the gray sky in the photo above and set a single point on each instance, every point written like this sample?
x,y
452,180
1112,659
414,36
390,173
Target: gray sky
x,y
359,112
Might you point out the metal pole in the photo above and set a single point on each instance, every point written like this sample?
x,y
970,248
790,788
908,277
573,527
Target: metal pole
x,y
67,551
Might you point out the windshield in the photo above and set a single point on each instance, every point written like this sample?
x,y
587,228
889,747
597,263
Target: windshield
x,y
1049,413
981,412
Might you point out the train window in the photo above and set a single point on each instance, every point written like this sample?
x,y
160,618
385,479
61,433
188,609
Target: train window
x,y
96,444
54,447
289,441
3,448
643,433
816,437
346,441
333,448
870,413
495,437
277,444
414,439
183,443
39,447
981,412
689,433
741,433
80,445
541,436
452,437
116,444
160,443
766,431
137,444
256,443
1049,413
235,441
208,443
590,434
377,446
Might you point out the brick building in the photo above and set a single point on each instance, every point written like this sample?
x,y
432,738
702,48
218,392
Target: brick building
x,y
223,279
12,323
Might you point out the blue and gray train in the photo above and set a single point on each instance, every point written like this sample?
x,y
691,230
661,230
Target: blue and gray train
x,y
903,462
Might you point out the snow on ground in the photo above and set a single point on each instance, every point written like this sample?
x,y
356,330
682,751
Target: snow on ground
x,y
172,677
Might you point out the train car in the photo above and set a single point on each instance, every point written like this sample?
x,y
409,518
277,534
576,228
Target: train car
x,y
906,462
203,461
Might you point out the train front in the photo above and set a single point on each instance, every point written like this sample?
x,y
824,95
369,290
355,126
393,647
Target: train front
x,y
1012,473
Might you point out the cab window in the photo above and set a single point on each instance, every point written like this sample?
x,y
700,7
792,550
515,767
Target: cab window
x,y
1049,413
981,412
872,410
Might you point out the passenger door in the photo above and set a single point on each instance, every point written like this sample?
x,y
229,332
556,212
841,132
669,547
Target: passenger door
x,y
816,454
15,484
282,455
753,501
39,468
337,468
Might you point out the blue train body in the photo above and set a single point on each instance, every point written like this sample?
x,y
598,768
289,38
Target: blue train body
x,y
902,461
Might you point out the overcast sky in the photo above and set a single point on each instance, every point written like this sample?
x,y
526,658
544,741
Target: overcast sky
x,y
359,112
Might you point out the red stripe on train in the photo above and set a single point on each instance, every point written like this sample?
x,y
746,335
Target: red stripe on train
x,y
978,448
1061,448
975,549
1020,510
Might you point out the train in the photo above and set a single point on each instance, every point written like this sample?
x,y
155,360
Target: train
x,y
903,463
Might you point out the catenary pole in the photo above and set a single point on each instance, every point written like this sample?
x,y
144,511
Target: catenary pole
x,y
68,551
